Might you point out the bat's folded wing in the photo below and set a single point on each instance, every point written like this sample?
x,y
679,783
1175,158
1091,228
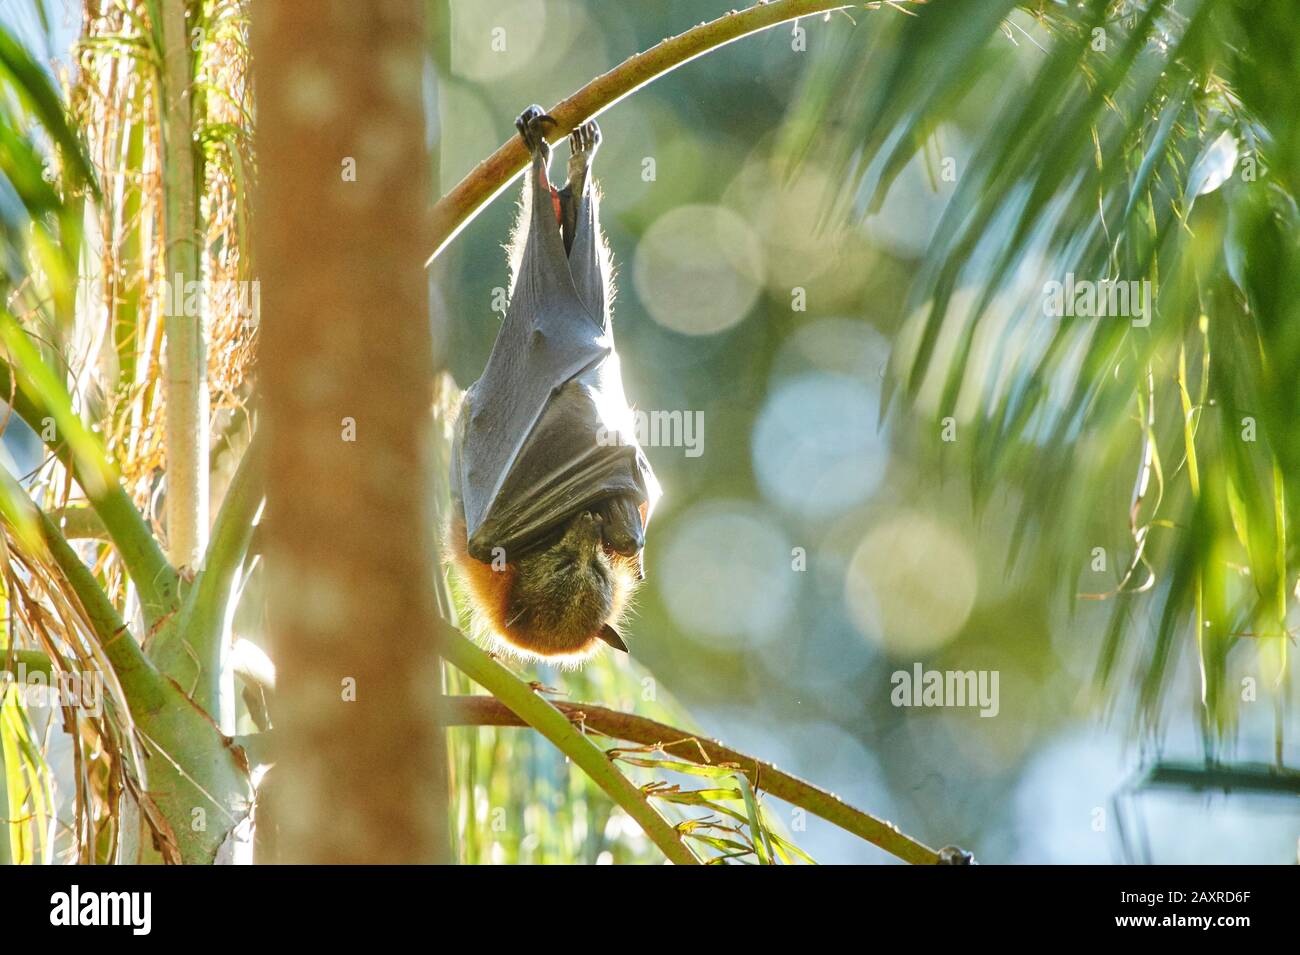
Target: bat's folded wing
x,y
572,459
546,432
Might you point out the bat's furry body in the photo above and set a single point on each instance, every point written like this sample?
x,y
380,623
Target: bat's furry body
x,y
549,518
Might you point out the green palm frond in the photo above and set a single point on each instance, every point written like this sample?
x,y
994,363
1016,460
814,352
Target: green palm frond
x,y
1121,141
40,216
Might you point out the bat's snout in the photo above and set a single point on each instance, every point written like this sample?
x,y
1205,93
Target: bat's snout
x,y
621,525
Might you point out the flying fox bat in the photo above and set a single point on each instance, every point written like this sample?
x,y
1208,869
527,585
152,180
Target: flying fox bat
x,y
551,493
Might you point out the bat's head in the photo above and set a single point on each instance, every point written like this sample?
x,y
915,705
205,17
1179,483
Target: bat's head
x,y
560,599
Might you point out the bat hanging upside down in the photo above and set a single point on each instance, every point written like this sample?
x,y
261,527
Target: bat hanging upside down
x,y
551,493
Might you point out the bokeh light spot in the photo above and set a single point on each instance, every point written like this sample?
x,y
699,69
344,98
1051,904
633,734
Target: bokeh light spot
x,y
490,41
817,450
695,269
725,574
910,584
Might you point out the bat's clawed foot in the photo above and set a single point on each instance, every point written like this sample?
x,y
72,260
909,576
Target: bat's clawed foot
x,y
585,140
532,124
583,143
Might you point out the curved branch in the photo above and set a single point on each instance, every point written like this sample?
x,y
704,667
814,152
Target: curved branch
x,y
486,711
515,696
486,181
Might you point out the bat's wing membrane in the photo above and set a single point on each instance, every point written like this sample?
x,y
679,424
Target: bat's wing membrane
x,y
586,264
545,431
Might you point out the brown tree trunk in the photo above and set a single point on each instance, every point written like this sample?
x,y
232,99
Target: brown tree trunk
x,y
347,366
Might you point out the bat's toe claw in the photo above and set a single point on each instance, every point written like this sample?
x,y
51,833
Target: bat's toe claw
x,y
526,119
585,139
532,123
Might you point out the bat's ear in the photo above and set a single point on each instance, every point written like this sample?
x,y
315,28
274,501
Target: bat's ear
x,y
610,636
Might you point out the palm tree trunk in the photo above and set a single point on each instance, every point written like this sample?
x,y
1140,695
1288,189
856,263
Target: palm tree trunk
x,y
347,366
187,351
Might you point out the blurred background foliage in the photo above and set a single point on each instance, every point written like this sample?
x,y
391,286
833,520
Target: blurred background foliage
x,y
832,241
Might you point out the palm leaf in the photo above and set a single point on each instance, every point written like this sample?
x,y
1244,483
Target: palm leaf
x,y
1146,147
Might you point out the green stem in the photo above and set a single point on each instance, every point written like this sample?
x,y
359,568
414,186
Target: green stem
x,y
486,711
118,644
33,661
77,522
191,764
121,649
486,181
555,726
233,529
155,580
199,639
